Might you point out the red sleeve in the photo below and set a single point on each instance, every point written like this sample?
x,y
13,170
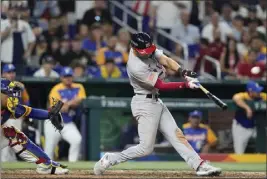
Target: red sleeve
x,y
161,85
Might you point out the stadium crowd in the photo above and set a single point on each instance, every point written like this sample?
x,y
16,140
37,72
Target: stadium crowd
x,y
82,35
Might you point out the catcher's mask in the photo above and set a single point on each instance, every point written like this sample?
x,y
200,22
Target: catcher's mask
x,y
142,43
16,91
11,89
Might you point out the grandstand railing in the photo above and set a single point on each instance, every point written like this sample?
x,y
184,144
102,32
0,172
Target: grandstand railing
x,y
139,19
126,13
217,68
173,39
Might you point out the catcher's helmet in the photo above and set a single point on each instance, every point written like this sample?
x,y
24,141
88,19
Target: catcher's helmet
x,y
142,43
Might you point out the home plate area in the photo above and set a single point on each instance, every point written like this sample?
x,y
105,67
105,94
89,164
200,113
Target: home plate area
x,y
31,174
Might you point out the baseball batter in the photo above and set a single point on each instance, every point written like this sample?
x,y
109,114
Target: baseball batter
x,y
146,70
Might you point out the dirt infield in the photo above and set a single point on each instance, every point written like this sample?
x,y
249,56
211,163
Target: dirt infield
x,y
30,174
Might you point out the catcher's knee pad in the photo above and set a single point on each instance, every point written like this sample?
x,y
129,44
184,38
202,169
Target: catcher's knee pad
x,y
24,147
15,136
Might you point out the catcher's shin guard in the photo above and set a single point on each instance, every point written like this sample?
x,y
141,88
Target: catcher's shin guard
x,y
25,148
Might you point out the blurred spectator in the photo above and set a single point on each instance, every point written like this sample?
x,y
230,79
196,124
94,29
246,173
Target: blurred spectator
x,y
37,30
215,25
108,70
262,29
244,44
72,95
209,10
249,69
213,50
199,136
259,46
41,47
243,126
95,40
5,4
163,15
17,40
81,7
257,43
67,7
252,29
83,31
24,14
110,52
203,51
54,31
46,69
229,58
66,25
185,32
107,30
239,9
78,68
238,27
4,9
178,53
252,15
78,53
226,14
64,51
216,47
123,44
46,9
23,11
197,9
98,14
54,50
261,9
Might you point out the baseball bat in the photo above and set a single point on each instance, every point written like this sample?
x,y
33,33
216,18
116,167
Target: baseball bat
x,y
214,98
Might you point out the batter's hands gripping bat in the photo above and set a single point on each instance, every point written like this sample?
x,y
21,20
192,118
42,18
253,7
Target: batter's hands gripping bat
x,y
216,100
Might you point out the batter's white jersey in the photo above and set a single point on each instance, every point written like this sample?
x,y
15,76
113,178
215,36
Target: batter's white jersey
x,y
150,112
143,74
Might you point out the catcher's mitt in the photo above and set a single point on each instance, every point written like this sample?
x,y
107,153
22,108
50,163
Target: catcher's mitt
x,y
55,115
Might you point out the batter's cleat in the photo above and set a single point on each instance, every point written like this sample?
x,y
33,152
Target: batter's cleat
x,y
103,164
53,170
207,170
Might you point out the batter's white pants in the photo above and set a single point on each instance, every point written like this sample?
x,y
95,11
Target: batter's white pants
x,y
69,133
7,154
152,115
241,136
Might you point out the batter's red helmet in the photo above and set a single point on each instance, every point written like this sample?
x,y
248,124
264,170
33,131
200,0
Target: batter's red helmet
x,y
143,43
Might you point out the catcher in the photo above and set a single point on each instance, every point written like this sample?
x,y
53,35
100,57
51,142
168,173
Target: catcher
x,y
18,141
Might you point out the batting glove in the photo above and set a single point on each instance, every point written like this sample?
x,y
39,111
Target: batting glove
x,y
192,83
